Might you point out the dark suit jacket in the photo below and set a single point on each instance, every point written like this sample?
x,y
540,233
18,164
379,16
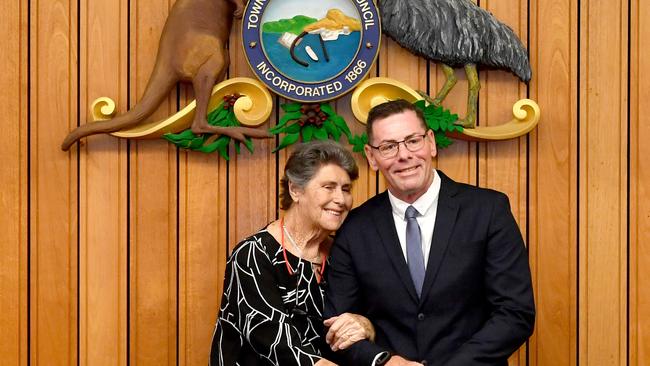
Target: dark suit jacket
x,y
477,303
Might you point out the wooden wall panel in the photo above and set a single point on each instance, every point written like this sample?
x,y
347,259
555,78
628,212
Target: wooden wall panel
x,y
153,213
602,189
252,177
53,261
203,233
103,190
13,180
639,188
398,63
114,253
366,185
503,164
552,182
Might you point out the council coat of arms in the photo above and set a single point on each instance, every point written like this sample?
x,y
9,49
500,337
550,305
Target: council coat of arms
x,y
311,51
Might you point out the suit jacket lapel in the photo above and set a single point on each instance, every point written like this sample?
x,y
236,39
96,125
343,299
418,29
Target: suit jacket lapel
x,y
444,226
385,225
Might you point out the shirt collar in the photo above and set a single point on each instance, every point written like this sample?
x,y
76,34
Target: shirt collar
x,y
424,204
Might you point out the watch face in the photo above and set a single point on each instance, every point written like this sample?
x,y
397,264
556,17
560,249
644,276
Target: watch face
x,y
383,358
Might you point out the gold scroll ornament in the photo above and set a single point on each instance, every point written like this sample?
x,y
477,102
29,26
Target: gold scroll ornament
x,y
252,109
378,90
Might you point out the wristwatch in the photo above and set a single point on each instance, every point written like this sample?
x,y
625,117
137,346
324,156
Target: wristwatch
x,y
383,358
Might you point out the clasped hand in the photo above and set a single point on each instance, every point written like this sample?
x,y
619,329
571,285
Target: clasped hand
x,y
346,329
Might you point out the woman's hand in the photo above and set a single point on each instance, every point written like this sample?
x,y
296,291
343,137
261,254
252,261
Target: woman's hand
x,y
346,329
324,362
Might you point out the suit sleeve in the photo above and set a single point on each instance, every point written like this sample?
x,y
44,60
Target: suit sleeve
x,y
342,296
254,310
508,290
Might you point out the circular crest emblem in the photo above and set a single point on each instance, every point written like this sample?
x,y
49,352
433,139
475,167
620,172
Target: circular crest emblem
x,y
311,51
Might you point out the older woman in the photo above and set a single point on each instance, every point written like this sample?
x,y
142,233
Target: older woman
x,y
272,302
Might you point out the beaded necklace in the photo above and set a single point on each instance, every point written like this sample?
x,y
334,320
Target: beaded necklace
x,y
318,271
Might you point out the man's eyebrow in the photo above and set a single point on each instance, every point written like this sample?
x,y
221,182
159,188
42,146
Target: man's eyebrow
x,y
405,138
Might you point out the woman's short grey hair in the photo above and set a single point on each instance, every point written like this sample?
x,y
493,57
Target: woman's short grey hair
x,y
307,159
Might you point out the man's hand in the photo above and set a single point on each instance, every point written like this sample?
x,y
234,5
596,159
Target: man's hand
x,y
399,361
346,329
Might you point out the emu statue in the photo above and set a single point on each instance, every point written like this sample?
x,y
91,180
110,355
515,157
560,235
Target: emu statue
x,y
455,33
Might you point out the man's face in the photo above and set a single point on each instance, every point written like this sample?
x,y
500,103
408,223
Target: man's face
x,y
409,173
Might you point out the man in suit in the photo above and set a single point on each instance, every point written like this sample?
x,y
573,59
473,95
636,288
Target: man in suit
x,y
438,267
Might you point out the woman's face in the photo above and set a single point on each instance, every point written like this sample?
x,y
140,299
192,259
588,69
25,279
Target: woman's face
x,y
326,199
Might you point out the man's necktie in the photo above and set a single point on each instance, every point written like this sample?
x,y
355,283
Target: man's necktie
x,y
414,254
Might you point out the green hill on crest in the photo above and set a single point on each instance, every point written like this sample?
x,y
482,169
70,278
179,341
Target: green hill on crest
x,y
294,25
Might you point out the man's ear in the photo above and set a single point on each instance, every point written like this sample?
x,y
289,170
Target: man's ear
x,y
434,150
370,157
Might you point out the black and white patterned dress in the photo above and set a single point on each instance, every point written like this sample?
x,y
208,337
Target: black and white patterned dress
x,y
260,321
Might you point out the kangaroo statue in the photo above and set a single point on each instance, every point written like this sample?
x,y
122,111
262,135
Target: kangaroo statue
x,y
192,48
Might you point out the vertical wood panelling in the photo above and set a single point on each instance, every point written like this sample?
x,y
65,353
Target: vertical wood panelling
x,y
13,180
505,161
603,79
552,181
639,188
499,91
202,248
53,193
252,192
114,252
103,194
153,176
202,208
153,254
398,63
366,185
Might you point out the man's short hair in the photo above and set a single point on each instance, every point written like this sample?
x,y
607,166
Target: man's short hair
x,y
388,109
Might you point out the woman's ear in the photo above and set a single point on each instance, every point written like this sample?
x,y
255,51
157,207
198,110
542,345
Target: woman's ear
x,y
294,191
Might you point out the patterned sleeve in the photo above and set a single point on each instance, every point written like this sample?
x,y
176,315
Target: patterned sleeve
x,y
255,309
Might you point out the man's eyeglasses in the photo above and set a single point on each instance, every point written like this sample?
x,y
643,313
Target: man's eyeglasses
x,y
389,149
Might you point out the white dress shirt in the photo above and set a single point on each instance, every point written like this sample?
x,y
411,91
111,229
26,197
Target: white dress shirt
x,y
427,206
